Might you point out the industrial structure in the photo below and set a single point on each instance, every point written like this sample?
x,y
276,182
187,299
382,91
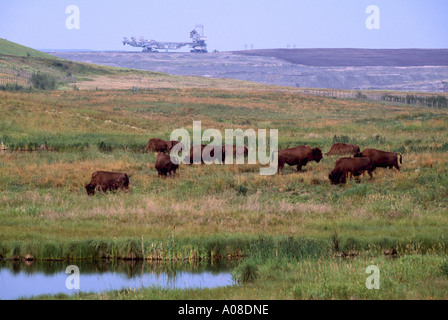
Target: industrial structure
x,y
197,45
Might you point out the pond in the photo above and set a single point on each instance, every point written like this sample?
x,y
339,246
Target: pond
x,y
20,279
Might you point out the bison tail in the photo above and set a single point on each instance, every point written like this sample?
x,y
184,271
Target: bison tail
x,y
401,158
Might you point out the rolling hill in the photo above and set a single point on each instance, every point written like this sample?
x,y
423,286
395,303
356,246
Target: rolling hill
x,y
14,49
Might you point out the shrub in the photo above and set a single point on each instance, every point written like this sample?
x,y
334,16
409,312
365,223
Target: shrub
x,y
342,139
444,267
246,271
12,86
43,81
242,190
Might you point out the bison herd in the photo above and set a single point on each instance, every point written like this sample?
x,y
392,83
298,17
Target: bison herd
x,y
347,167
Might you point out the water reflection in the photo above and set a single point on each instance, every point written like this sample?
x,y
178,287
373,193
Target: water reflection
x,y
25,279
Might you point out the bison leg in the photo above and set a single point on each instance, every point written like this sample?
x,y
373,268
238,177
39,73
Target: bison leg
x,y
397,166
299,167
280,168
343,178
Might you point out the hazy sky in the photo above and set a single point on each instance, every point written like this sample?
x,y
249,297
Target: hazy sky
x,y
229,24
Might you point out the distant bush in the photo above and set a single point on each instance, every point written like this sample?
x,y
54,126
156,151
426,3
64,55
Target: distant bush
x,y
104,146
360,95
380,139
12,87
241,190
343,139
43,81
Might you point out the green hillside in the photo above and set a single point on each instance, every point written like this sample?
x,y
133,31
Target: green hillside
x,y
18,63
14,49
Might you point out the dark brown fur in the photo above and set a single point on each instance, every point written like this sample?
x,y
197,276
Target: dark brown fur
x,y
157,145
350,166
235,150
343,148
171,144
299,156
104,181
382,159
165,166
192,150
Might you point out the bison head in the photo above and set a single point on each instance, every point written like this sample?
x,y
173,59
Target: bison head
x,y
317,154
335,177
357,155
90,188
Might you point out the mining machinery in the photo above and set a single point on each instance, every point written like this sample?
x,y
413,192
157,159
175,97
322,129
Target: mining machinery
x,y
198,42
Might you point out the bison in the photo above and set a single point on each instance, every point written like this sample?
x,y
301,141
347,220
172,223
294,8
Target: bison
x,y
353,166
343,148
382,159
235,151
171,144
299,156
104,181
159,145
165,166
194,150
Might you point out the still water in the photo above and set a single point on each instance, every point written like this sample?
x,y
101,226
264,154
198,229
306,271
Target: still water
x,y
24,279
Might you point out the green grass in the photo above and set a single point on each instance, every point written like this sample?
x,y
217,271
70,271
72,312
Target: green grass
x,y
18,64
11,48
211,212
413,277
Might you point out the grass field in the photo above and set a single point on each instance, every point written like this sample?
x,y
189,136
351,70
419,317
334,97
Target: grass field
x,y
293,230
225,211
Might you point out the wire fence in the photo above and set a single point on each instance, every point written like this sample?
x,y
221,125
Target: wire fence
x,y
417,99
24,82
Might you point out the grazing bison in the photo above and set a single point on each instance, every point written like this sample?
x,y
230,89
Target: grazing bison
x,y
171,144
299,156
343,148
353,166
157,145
104,181
235,151
165,166
382,159
193,153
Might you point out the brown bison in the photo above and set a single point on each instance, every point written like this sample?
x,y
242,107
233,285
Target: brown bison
x,y
159,145
171,144
235,151
165,166
343,148
299,156
203,157
350,166
104,181
382,159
